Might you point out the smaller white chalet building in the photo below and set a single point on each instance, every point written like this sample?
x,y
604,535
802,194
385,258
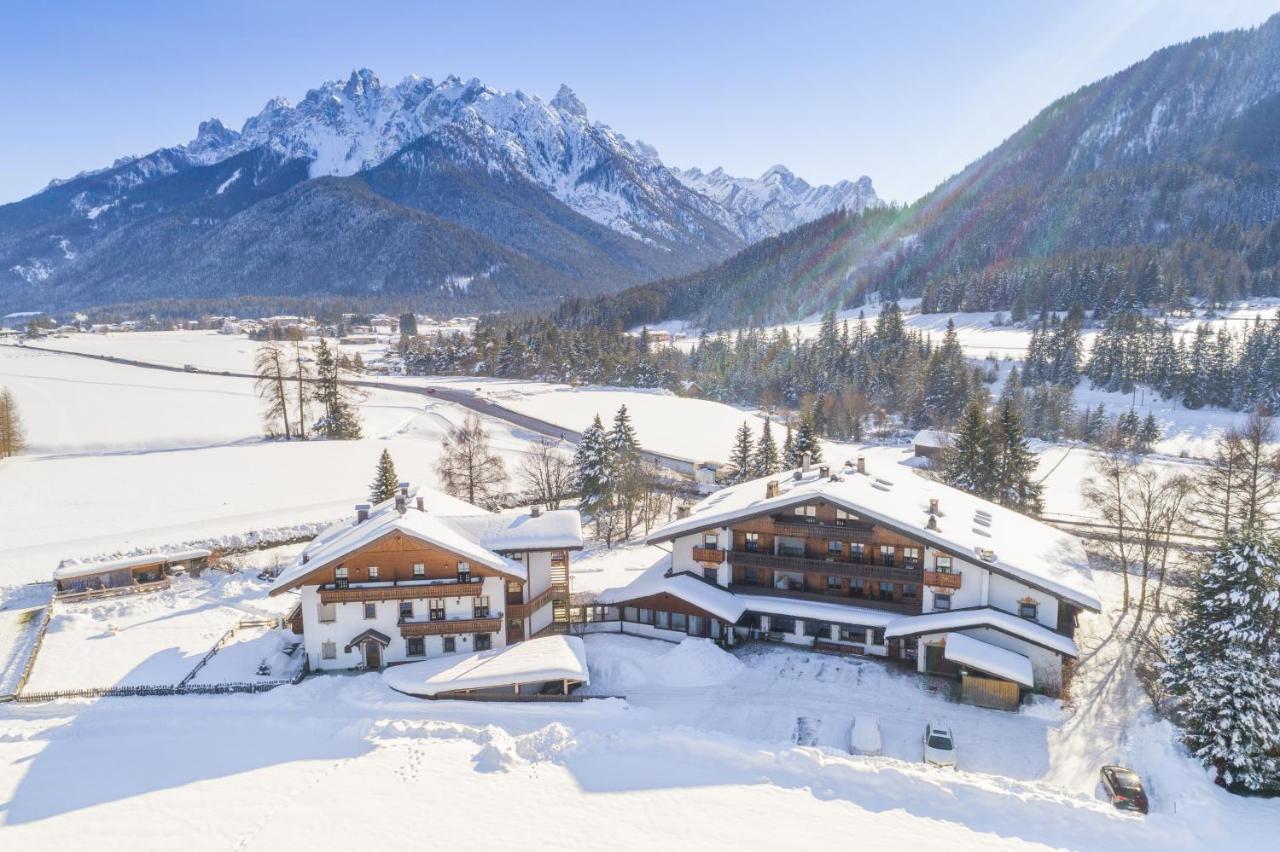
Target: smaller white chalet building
x,y
409,580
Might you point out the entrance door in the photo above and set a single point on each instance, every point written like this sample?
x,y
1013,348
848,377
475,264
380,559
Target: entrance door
x,y
372,655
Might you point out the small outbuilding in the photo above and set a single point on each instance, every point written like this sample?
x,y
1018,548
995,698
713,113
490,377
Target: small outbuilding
x,y
550,665
147,572
931,444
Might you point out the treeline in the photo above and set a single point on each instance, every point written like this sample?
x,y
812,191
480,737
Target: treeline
x,y
304,397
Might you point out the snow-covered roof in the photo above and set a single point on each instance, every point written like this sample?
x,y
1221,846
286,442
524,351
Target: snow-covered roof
x,y
818,610
551,530
967,526
932,438
447,523
549,658
960,619
986,657
72,568
710,598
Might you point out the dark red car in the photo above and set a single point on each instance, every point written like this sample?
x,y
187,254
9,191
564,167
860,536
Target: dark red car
x,y
1124,788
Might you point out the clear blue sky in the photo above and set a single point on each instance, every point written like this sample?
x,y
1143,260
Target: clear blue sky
x,y
906,92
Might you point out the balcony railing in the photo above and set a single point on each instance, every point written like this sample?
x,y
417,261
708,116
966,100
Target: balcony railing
x,y
399,590
851,531
708,554
942,579
450,626
837,567
522,610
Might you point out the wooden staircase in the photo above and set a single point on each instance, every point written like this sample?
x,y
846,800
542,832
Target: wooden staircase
x,y
560,601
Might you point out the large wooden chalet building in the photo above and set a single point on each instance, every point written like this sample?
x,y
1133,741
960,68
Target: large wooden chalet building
x,y
405,581
877,562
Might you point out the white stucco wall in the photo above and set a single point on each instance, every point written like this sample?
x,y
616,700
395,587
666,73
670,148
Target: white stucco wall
x,y
1006,593
539,565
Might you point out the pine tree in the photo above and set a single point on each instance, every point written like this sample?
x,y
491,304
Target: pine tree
x,y
625,468
968,463
766,461
469,469
385,481
591,469
1147,435
806,441
741,454
790,458
1222,669
339,419
1015,465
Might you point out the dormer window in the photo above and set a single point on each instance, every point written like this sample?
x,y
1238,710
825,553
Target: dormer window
x,y
1028,608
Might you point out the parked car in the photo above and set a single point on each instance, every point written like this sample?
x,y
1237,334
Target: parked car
x,y
865,736
1124,788
939,745
189,368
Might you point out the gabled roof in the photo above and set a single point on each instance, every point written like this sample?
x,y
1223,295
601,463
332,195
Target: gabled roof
x,y
84,569
444,522
968,527
988,658
549,658
711,599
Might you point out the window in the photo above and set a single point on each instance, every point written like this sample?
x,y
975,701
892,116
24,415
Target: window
x,y
942,602
857,552
328,613
415,646
464,572
646,616
833,582
663,618
843,518
480,609
329,651
435,610
710,540
877,636
853,633
819,629
835,548
942,564
1028,609
340,576
419,570
697,626
909,591
886,591
679,621
370,611
858,588
910,557
782,624
807,512
751,542
373,572
750,576
886,555
630,613
406,609
450,644
484,641
712,574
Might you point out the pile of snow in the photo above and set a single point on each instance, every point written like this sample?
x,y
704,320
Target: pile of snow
x,y
692,663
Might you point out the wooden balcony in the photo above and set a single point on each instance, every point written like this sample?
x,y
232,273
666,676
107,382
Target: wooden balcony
x,y
941,579
403,591
450,626
852,531
836,567
713,555
522,610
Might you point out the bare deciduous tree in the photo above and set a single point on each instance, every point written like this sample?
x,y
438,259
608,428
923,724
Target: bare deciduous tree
x,y
269,365
546,474
469,469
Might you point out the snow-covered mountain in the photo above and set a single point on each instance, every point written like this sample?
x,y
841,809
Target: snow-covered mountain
x,y
550,205
778,200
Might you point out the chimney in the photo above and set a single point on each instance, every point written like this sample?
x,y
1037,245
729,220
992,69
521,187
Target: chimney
x,y
305,557
933,523
420,503
682,511
362,512
535,510
933,505
804,461
771,488
862,464
401,502
824,471
404,489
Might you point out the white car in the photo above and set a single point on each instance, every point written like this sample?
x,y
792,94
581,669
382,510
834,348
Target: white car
x,y
939,745
865,736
